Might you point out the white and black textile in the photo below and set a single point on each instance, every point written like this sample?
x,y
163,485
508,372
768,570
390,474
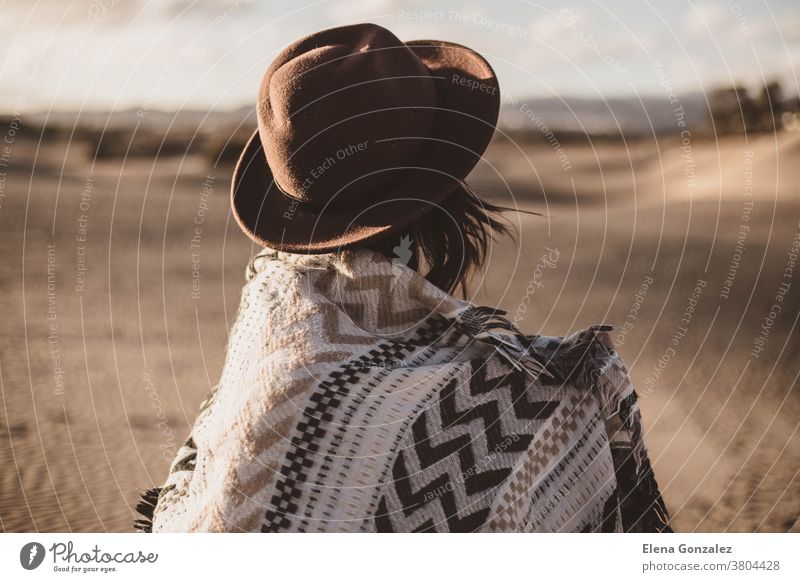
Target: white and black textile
x,y
356,396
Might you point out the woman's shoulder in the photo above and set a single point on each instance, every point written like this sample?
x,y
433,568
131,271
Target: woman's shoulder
x,y
587,360
585,351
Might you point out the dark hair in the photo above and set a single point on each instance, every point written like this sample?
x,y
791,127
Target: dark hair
x,y
449,242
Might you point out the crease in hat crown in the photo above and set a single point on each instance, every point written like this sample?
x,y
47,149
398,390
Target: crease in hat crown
x,y
357,85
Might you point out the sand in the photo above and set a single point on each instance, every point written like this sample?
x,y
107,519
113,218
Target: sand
x,y
121,279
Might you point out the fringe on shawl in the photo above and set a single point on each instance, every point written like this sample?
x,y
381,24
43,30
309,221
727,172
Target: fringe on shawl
x,y
480,322
146,508
644,507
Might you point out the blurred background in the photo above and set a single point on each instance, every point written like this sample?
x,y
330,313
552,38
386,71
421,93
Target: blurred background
x,y
659,141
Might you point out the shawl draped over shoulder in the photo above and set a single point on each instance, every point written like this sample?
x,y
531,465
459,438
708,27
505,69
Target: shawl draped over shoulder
x,y
356,396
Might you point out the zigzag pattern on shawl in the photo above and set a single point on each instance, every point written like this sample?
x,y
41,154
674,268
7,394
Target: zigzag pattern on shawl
x,y
337,327
312,429
392,299
266,274
344,491
449,457
375,292
552,446
332,314
585,361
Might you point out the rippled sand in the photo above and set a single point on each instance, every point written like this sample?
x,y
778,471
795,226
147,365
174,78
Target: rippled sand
x,y
120,282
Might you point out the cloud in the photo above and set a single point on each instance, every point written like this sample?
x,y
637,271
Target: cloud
x,y
706,16
62,56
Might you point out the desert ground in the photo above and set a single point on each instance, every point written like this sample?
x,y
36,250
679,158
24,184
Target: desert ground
x,y
120,278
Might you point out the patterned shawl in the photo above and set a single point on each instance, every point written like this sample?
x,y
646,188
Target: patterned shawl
x,y
356,396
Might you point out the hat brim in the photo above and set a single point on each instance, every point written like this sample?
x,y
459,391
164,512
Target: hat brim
x,y
464,122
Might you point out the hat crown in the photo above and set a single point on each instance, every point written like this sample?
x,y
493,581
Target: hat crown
x,y
360,135
340,109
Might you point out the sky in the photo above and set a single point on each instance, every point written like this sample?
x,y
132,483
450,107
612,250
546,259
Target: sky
x,y
211,54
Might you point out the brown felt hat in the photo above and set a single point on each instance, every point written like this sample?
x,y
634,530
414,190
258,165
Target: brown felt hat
x,y
360,134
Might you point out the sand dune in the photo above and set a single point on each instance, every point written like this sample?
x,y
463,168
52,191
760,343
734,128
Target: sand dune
x,y
116,313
